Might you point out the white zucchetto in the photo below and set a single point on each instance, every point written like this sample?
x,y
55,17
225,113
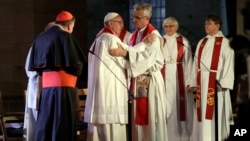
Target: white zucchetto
x,y
110,16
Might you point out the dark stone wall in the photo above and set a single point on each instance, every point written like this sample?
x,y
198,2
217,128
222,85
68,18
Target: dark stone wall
x,y
21,21
16,33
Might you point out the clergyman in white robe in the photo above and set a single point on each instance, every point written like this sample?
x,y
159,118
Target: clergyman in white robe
x,y
204,130
149,61
107,100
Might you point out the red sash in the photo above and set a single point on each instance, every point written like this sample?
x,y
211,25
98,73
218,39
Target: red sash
x,y
198,79
142,88
141,102
122,35
58,79
181,79
212,79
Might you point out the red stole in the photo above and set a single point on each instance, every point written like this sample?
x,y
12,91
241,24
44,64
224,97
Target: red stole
x,y
212,79
180,77
141,102
148,30
122,35
103,30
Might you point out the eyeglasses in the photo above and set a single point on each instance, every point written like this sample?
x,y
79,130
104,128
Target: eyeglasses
x,y
138,18
169,26
120,22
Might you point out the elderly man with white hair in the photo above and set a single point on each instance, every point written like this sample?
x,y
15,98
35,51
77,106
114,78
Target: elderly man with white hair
x,y
106,109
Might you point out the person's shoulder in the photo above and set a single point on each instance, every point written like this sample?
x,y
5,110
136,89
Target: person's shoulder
x,y
226,39
203,38
55,30
183,37
200,41
108,37
157,33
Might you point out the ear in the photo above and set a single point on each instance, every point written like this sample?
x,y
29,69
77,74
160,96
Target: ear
x,y
68,26
218,25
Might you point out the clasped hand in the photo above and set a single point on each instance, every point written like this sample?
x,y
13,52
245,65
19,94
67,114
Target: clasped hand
x,y
120,51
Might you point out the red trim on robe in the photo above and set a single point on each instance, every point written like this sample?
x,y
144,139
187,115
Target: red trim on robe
x,y
180,72
212,79
122,34
142,102
198,79
104,30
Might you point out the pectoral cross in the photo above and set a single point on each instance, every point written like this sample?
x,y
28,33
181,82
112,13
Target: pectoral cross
x,y
170,58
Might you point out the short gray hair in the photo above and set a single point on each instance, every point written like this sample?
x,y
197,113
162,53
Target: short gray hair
x,y
146,7
170,19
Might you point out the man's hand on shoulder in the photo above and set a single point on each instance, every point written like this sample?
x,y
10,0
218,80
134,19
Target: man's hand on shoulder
x,y
120,51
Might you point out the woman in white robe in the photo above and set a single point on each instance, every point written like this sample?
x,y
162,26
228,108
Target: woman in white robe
x,y
178,64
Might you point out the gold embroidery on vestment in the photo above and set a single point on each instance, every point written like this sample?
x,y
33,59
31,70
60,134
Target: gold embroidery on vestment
x,y
210,96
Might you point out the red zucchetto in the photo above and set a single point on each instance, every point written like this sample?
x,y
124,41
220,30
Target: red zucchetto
x,y
64,16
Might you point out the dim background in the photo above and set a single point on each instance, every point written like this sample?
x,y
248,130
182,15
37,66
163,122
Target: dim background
x,y
22,20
